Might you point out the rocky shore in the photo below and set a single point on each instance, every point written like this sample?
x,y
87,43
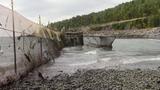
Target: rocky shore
x,y
99,79
149,33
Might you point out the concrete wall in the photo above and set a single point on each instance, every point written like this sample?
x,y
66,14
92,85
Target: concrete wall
x,y
77,38
98,41
73,39
31,52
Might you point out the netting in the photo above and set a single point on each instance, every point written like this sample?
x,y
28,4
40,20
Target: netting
x,y
35,45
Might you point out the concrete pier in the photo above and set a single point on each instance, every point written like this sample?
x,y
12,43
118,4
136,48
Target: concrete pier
x,y
79,39
98,41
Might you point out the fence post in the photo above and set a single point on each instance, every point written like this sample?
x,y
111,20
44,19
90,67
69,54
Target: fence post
x,y
14,40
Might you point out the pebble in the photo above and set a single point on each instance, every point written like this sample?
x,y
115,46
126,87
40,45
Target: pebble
x,y
98,79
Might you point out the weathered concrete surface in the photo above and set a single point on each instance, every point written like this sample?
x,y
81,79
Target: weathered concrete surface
x,y
31,52
73,39
98,41
78,39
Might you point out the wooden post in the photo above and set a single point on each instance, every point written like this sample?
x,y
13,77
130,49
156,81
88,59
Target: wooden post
x,y
14,40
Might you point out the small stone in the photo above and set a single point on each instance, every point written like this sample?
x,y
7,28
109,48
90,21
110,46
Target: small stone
x,y
148,86
158,82
159,68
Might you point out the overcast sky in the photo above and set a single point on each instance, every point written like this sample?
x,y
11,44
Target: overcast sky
x,y
56,10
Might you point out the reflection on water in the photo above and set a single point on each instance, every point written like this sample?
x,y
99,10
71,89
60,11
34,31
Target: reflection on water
x,y
124,52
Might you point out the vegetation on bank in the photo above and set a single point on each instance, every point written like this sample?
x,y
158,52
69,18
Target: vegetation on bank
x,y
149,22
125,11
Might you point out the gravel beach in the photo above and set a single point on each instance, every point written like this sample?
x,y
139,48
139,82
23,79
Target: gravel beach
x,y
97,79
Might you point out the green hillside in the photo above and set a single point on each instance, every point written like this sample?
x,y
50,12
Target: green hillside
x,y
130,10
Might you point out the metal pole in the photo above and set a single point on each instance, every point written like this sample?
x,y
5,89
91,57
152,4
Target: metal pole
x,y
41,47
14,40
23,39
40,21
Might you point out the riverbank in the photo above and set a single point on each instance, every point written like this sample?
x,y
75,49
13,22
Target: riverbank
x,y
99,68
94,80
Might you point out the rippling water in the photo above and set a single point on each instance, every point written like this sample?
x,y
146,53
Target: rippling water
x,y
126,53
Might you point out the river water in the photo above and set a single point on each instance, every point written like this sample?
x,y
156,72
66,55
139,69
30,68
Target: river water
x,y
125,54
